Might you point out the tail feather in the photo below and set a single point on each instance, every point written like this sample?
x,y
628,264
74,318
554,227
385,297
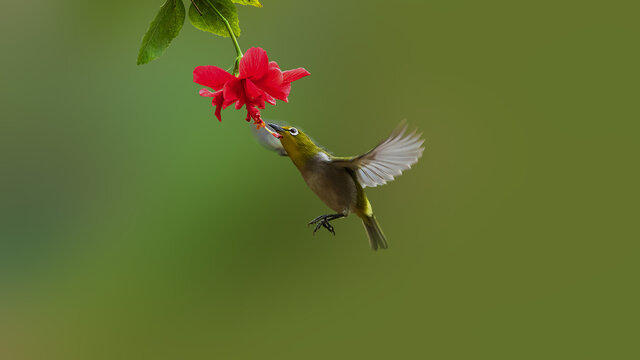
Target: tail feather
x,y
376,236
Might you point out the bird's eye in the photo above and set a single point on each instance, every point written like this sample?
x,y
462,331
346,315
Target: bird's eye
x,y
293,131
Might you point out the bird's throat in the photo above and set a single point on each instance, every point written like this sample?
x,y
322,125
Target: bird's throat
x,y
301,156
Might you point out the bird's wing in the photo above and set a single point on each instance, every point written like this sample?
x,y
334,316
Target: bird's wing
x,y
268,141
387,160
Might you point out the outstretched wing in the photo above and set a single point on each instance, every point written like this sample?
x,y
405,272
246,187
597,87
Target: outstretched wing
x,y
387,160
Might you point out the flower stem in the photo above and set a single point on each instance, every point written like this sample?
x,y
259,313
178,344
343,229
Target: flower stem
x,y
233,38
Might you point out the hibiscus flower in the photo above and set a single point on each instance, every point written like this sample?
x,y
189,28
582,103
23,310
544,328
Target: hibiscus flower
x,y
259,81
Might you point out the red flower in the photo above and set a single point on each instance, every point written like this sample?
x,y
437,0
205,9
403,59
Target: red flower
x,y
259,82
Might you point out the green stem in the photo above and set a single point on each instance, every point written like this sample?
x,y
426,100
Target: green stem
x,y
233,38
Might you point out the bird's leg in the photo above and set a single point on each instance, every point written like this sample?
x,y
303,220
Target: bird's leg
x,y
323,221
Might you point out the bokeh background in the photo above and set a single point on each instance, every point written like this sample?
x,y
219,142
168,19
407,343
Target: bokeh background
x,y
135,226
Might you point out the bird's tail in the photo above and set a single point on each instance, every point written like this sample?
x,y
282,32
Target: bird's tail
x,y
376,236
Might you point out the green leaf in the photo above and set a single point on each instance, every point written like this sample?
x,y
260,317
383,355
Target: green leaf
x,y
255,3
210,21
164,28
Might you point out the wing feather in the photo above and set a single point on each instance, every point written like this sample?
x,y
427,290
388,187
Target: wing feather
x,y
387,160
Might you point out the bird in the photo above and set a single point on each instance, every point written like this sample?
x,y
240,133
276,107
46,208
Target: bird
x,y
340,181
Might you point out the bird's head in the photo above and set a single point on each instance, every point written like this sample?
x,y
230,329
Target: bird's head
x,y
297,144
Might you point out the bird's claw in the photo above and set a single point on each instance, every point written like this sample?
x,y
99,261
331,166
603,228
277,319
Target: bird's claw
x,y
329,227
317,219
322,221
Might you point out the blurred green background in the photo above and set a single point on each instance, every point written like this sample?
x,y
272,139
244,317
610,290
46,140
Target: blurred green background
x,y
135,226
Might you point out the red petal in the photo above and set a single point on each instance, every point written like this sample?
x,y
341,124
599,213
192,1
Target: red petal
x,y
285,89
232,92
272,83
259,103
257,96
280,92
295,74
207,93
211,76
253,113
240,103
254,64
217,102
273,78
268,98
273,65
251,90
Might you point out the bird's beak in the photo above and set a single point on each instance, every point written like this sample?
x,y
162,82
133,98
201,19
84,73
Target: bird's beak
x,y
276,128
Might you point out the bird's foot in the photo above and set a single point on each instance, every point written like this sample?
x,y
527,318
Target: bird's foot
x,y
323,221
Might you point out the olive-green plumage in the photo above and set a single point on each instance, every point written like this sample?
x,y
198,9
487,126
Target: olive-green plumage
x,y
339,181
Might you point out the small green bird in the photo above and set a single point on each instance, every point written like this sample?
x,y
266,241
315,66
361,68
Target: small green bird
x,y
339,181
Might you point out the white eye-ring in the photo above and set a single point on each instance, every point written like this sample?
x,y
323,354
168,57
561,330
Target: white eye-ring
x,y
293,131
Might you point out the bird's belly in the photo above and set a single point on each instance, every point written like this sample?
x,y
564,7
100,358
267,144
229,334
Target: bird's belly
x,y
334,186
